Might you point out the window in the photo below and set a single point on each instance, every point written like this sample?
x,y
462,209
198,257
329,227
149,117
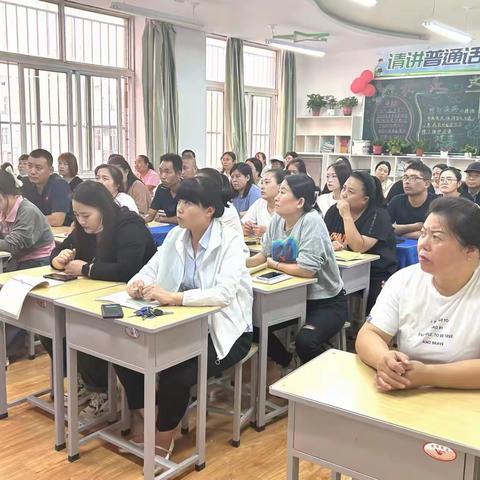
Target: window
x,y
260,98
79,105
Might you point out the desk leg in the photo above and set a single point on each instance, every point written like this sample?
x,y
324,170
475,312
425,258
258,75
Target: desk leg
x,y
292,462
149,426
262,376
3,374
202,397
59,408
366,292
112,393
73,436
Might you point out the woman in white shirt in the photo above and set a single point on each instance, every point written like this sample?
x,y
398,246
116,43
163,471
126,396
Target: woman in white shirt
x,y
337,175
382,172
258,216
111,177
431,308
197,265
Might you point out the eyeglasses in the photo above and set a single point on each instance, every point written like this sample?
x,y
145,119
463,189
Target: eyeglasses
x,y
447,180
411,178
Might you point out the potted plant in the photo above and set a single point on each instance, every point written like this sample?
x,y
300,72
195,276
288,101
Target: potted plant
x,y
315,103
395,146
469,150
445,150
377,147
331,104
406,147
347,104
420,146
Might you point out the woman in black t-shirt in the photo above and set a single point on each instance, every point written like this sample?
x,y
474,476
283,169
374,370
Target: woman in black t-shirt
x,y
361,223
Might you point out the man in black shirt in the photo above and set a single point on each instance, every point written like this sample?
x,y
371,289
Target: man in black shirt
x,y
472,181
165,202
47,190
409,210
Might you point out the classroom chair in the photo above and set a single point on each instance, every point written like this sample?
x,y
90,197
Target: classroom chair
x,y
340,339
240,418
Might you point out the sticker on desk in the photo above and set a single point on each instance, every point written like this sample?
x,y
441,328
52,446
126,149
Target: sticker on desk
x,y
132,332
440,452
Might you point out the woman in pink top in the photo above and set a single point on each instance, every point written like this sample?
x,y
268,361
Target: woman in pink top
x,y
146,172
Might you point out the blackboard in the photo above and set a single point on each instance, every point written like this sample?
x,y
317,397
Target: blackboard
x,y
443,111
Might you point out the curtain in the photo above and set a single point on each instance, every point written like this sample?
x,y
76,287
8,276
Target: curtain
x,y
234,100
159,82
287,97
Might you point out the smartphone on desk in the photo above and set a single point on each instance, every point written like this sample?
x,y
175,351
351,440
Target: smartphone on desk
x,y
112,310
272,277
61,277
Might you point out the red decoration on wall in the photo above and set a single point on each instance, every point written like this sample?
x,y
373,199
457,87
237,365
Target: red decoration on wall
x,y
361,85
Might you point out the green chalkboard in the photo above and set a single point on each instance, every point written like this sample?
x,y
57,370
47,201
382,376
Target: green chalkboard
x,y
443,111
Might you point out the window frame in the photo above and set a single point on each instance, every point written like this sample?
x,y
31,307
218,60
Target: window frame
x,y
75,70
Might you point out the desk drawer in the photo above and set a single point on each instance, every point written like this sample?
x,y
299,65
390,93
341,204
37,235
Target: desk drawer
x,y
382,453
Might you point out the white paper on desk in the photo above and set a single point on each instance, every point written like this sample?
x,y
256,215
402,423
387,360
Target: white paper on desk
x,y
14,292
125,300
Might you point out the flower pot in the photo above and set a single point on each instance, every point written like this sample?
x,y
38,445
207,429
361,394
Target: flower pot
x,y
331,112
419,152
377,149
316,111
444,153
347,111
468,155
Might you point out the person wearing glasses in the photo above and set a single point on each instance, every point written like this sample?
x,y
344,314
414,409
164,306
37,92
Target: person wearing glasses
x,y
409,210
450,182
472,181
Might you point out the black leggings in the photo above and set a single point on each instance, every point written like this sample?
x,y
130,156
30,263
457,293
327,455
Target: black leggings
x,y
175,382
376,285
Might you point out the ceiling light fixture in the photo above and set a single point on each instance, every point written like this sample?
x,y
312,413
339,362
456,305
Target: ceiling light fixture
x,y
365,3
155,15
447,31
302,49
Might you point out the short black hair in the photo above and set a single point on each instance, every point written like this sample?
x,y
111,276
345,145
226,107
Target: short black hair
x,y
455,171
462,217
292,154
256,163
245,170
441,166
384,162
372,188
221,182
302,186
300,164
422,168
41,153
7,182
278,174
202,191
174,159
189,152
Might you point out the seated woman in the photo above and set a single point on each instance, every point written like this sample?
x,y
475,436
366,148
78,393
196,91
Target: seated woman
x,y
146,172
297,165
450,182
297,243
337,174
197,265
360,222
68,169
27,236
244,190
111,178
258,216
436,171
256,165
107,243
227,160
382,171
431,308
131,184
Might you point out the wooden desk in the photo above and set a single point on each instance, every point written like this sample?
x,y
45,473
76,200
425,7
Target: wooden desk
x,y
274,304
337,418
146,346
60,233
356,276
39,315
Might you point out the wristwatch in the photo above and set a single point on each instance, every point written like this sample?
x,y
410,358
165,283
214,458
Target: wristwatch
x,y
85,269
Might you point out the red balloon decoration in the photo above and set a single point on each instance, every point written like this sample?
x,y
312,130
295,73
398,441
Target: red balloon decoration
x,y
361,85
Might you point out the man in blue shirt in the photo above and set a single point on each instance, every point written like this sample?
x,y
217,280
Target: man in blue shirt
x,y
47,190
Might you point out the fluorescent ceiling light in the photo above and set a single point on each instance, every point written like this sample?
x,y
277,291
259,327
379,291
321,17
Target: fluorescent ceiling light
x,y
154,14
447,31
365,3
314,52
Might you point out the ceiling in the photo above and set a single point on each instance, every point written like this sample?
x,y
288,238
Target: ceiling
x,y
351,26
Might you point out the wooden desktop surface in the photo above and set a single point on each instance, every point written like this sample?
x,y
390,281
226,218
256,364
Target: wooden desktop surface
x,y
88,303
280,286
340,381
366,258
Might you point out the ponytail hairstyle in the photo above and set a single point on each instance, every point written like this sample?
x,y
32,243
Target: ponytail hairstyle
x,y
147,161
302,186
372,188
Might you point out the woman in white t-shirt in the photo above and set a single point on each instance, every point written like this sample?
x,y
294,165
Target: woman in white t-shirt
x,y
431,308
257,219
337,175
112,178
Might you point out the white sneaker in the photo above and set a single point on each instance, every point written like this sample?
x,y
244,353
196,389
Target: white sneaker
x,y
97,407
82,393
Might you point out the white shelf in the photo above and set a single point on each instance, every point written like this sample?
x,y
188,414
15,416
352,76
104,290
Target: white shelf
x,y
303,117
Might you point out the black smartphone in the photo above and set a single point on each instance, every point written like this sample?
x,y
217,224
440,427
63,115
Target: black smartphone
x,y
270,275
62,277
112,310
